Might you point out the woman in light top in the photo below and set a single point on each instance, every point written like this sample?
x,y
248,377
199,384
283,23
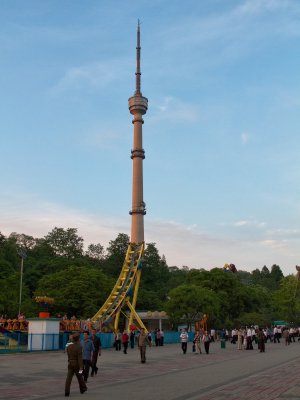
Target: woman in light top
x,y
184,337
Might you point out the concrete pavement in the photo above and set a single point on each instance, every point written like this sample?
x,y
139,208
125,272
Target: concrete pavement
x,y
168,374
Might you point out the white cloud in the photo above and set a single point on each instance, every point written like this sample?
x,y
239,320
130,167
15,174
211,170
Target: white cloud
x,y
274,244
240,223
251,223
172,109
255,7
244,137
284,233
229,35
181,244
30,215
93,75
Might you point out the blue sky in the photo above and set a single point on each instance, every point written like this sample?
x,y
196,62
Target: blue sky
x,y
221,135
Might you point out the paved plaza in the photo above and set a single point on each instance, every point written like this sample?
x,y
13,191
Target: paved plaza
x,y
168,374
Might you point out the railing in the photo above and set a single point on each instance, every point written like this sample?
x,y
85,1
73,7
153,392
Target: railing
x,y
11,343
23,342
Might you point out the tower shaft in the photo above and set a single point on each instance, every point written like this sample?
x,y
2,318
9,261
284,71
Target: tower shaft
x,y
138,106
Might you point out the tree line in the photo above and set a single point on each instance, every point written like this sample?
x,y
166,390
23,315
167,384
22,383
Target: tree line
x,y
80,280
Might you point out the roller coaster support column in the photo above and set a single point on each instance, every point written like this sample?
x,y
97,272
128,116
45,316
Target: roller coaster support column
x,y
135,315
117,317
135,294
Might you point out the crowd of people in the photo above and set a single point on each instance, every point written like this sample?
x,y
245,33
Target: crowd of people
x,y
20,323
83,355
244,337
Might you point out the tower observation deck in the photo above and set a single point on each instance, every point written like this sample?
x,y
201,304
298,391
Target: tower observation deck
x,y
125,292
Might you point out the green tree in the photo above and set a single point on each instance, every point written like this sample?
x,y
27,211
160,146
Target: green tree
x,y
244,277
155,272
256,277
187,302
228,288
148,300
42,260
23,241
10,295
265,278
286,300
2,239
116,252
95,251
177,277
65,242
9,257
79,291
276,276
253,318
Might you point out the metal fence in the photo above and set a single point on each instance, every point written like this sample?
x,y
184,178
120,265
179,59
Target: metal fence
x,y
20,342
13,342
23,342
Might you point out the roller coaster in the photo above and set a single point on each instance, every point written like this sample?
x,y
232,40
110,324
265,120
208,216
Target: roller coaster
x,y
126,287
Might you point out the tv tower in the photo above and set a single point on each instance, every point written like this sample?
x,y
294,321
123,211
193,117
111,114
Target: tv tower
x,y
138,105
125,291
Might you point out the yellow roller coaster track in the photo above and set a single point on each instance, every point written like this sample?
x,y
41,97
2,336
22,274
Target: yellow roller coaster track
x,y
127,286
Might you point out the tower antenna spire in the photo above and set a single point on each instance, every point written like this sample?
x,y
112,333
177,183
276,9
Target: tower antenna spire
x,y
138,62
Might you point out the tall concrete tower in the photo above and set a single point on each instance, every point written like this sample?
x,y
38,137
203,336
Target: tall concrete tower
x,y
138,106
125,291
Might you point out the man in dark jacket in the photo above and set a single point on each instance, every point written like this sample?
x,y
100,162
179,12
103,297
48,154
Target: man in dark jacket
x,y
143,340
87,354
75,365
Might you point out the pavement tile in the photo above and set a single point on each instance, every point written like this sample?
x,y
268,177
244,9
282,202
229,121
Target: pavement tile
x,y
224,374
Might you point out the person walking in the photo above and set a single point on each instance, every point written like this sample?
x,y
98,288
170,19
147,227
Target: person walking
x,y
276,334
197,341
206,341
97,344
125,341
87,353
286,336
70,341
249,338
158,338
132,338
75,365
261,340
143,341
234,336
118,338
240,339
162,337
184,338
292,335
